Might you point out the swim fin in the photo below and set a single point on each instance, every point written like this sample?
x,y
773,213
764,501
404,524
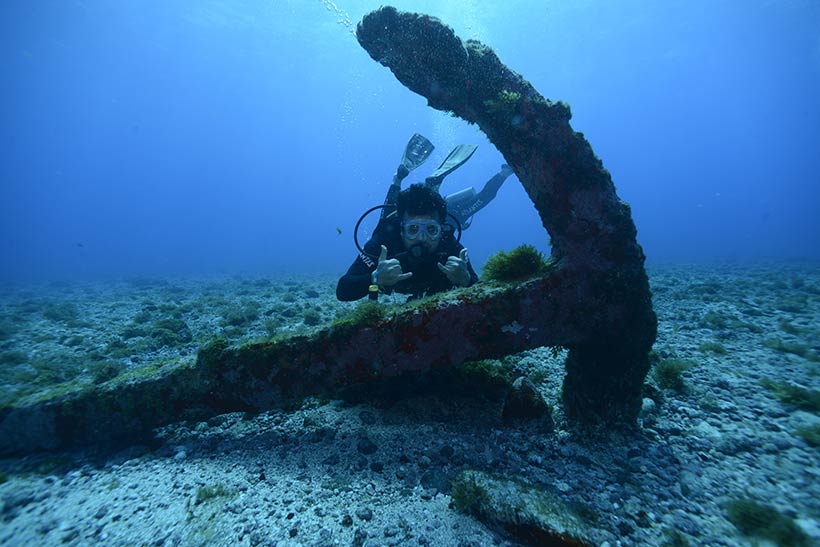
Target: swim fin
x,y
416,152
455,159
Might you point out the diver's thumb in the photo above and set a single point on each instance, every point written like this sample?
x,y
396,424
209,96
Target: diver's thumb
x,y
383,254
463,255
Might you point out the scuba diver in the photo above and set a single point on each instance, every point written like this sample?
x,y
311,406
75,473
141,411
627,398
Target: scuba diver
x,y
462,204
413,251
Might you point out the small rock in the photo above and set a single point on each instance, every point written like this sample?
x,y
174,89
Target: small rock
x,y
524,511
70,535
47,526
783,443
366,446
624,528
364,513
367,417
16,500
411,479
524,403
435,479
648,407
359,537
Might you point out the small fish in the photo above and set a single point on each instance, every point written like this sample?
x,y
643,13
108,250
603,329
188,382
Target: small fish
x,y
338,230
79,244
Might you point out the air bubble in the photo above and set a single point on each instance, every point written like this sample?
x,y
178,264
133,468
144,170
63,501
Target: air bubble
x,y
342,18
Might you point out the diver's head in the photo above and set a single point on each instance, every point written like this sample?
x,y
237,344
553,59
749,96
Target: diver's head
x,y
422,212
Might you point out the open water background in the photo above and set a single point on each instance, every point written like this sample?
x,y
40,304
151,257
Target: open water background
x,y
183,137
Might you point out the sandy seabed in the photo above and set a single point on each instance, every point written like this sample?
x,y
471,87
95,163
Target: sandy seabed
x,y
740,420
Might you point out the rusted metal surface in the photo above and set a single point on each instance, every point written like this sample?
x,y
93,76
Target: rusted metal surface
x,y
593,236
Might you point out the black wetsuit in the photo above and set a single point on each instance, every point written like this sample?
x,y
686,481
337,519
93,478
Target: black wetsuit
x,y
427,279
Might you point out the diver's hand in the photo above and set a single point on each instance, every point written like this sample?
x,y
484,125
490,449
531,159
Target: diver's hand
x,y
505,170
401,174
456,269
388,272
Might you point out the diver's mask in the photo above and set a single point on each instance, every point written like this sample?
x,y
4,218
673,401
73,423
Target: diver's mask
x,y
421,237
416,230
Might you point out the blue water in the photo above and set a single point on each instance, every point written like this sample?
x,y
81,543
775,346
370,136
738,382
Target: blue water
x,y
197,137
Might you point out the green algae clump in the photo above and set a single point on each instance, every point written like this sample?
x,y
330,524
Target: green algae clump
x,y
468,495
206,493
764,521
506,102
488,377
365,313
811,435
802,398
522,262
669,373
